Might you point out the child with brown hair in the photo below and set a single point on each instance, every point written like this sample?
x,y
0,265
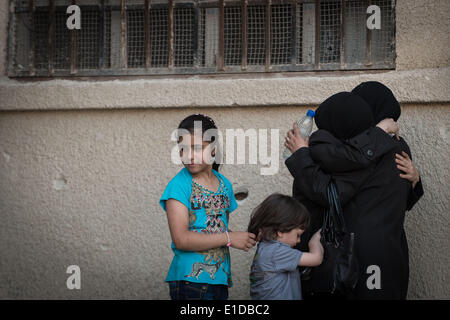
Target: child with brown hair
x,y
279,221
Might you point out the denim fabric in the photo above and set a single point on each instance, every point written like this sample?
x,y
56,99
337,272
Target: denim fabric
x,y
185,290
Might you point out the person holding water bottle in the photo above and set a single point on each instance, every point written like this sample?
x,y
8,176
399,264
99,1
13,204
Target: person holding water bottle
x,y
304,126
373,195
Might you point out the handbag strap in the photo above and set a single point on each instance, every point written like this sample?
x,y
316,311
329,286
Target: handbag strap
x,y
333,226
333,195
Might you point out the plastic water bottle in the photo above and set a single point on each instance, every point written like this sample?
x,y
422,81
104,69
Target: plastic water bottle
x,y
305,126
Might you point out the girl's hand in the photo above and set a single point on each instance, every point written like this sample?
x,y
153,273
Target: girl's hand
x,y
294,140
389,126
242,240
404,163
259,236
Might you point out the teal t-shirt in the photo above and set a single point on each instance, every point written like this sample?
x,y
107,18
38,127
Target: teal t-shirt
x,y
208,213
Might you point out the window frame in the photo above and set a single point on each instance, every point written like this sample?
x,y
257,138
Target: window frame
x,y
221,67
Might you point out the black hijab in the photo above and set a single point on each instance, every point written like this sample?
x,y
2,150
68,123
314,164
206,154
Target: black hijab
x,y
380,99
344,115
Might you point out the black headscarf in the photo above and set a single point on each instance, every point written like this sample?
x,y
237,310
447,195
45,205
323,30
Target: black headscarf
x,y
344,115
380,99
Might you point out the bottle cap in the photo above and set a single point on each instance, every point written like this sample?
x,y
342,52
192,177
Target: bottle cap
x,y
310,113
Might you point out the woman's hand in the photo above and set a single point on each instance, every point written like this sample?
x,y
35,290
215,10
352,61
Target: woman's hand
x,y
389,126
242,240
404,163
294,140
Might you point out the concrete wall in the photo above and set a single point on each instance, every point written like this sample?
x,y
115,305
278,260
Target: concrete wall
x,y
83,164
422,34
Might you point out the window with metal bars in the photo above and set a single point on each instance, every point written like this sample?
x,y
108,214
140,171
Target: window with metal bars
x,y
145,37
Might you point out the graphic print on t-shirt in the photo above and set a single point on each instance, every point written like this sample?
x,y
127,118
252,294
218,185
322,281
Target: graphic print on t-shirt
x,y
216,206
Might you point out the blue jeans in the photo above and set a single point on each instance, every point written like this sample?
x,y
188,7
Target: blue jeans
x,y
185,290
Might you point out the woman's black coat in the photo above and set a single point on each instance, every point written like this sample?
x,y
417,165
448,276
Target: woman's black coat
x,y
374,200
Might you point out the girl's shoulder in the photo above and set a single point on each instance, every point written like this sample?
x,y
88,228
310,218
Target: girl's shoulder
x,y
182,176
178,188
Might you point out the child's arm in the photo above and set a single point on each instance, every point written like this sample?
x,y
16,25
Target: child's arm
x,y
314,257
178,217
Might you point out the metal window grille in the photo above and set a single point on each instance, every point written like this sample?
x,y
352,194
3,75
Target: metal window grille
x,y
145,37
62,42
282,19
383,43
41,25
330,38
159,38
184,31
256,33
135,39
233,36
88,40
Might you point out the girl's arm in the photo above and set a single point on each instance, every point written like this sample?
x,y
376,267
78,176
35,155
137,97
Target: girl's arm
x,y
178,217
405,164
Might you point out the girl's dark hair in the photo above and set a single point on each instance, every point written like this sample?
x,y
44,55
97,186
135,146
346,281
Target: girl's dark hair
x,y
206,124
278,213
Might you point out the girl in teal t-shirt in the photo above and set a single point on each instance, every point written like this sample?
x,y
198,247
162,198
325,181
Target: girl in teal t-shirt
x,y
198,201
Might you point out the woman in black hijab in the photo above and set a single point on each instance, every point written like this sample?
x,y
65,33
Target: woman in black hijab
x,y
384,105
344,115
380,99
362,150
372,194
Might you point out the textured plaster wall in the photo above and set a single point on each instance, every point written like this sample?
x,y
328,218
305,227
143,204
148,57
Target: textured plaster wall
x,y
422,37
424,85
83,187
80,186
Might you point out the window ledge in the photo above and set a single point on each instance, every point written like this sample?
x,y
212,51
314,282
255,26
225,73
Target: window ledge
x,y
412,86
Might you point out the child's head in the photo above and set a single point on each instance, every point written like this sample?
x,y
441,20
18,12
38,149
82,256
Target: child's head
x,y
279,217
197,140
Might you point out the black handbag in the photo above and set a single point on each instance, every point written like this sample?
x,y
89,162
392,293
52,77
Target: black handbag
x,y
339,271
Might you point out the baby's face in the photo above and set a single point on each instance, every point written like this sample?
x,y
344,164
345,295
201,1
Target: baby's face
x,y
291,238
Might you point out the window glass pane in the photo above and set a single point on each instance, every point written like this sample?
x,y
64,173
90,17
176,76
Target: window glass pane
x,y
41,24
355,31
256,16
233,35
281,34
183,37
383,44
159,37
89,39
135,38
62,41
330,31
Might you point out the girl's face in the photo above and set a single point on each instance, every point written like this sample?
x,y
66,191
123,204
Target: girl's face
x,y
196,154
291,238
